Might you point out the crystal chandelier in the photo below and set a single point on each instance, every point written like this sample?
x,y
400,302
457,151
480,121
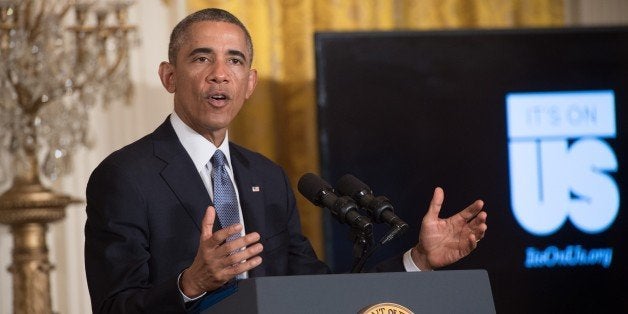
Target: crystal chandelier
x,y
52,74
58,59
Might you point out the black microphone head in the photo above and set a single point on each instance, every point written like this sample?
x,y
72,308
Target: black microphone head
x,y
351,186
310,186
320,193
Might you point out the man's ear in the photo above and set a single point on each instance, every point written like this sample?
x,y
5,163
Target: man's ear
x,y
252,83
166,74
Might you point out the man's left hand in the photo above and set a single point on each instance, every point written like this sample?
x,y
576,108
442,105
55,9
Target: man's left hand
x,y
445,241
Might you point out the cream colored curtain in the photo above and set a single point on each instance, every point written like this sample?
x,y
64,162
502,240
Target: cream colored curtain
x,y
280,119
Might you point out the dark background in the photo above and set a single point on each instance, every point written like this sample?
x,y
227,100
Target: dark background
x,y
408,111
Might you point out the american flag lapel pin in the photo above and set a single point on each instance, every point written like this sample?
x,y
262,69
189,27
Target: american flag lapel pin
x,y
255,188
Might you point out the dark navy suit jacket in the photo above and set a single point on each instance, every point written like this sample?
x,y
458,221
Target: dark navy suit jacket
x,y
145,204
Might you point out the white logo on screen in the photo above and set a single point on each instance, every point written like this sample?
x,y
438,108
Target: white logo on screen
x,y
560,163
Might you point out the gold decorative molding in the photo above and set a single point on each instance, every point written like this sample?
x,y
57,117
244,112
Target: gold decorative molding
x,y
32,203
30,269
27,208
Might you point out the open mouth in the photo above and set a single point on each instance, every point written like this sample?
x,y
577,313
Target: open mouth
x,y
218,97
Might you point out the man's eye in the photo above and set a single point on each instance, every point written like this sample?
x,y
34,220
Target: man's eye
x,y
236,61
201,59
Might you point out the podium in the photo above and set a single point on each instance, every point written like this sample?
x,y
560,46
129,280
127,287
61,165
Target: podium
x,y
454,291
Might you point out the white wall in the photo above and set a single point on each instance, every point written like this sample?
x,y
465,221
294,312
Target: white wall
x,y
596,12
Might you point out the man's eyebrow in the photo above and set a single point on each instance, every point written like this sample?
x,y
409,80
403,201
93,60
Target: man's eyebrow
x,y
205,50
201,50
237,53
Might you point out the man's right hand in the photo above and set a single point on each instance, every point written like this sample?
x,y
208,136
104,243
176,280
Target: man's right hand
x,y
217,261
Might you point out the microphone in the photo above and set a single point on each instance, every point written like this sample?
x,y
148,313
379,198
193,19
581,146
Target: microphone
x,y
344,209
379,207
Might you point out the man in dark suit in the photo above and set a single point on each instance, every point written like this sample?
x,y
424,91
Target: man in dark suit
x,y
153,241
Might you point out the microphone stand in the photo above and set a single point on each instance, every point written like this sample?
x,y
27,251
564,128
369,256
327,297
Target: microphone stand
x,y
362,243
361,254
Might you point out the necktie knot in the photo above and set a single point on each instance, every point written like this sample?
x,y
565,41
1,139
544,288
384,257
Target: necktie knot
x,y
218,159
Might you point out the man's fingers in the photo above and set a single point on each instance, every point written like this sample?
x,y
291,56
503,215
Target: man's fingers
x,y
220,261
218,237
472,210
473,242
247,265
239,243
225,273
478,225
478,220
207,225
239,261
436,203
243,255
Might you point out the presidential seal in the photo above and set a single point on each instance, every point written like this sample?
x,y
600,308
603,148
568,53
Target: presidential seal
x,y
385,308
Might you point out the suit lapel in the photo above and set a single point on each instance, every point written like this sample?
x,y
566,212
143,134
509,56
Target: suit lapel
x,y
251,194
180,173
250,191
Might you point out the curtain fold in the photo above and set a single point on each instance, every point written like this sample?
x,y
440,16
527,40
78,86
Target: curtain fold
x,y
280,119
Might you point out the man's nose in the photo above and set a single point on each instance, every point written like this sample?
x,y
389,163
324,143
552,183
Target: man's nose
x,y
218,73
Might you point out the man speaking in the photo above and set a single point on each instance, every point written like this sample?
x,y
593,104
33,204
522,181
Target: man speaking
x,y
175,216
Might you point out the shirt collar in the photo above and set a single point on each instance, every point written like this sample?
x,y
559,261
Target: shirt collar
x,y
198,147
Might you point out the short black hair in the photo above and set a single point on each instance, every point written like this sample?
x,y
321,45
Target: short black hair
x,y
211,14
